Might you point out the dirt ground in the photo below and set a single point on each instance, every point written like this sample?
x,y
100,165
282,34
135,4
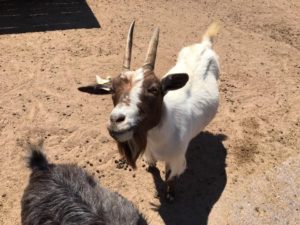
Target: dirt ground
x,y
243,169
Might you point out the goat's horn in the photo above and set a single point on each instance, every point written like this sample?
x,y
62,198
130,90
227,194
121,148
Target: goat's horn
x,y
127,56
152,49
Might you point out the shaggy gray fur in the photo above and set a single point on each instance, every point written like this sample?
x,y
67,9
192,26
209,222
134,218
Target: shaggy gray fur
x,y
67,195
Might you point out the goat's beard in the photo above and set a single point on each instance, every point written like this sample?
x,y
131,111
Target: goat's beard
x,y
133,148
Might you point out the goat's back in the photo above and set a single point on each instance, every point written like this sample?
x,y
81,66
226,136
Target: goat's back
x,y
66,194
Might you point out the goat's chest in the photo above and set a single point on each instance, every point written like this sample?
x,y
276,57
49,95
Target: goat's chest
x,y
166,141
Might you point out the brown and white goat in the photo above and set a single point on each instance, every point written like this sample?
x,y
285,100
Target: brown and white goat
x,y
149,119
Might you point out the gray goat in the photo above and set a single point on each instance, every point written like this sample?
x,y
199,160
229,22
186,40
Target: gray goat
x,y
64,194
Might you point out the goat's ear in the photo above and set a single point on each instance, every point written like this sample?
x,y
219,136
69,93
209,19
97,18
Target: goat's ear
x,y
95,89
103,86
174,81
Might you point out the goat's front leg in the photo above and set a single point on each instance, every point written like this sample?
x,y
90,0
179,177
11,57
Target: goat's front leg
x,y
173,170
170,182
149,160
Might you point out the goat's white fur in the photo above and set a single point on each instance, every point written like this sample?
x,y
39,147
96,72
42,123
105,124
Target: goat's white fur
x,y
188,110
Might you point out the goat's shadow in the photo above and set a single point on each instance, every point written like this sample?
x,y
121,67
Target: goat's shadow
x,y
200,187
20,16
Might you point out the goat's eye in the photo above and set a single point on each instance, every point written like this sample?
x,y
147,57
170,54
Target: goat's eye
x,y
153,90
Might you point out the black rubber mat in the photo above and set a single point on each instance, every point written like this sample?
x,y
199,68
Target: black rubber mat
x,y
20,16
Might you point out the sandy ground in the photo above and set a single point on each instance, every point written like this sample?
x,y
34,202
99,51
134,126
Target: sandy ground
x,y
244,169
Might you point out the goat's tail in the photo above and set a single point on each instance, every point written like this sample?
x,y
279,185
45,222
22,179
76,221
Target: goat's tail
x,y
36,159
210,33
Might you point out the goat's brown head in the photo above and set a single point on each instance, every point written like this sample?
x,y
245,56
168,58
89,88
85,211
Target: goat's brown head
x,y
138,99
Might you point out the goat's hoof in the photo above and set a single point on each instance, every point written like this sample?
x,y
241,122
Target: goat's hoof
x,y
170,197
151,168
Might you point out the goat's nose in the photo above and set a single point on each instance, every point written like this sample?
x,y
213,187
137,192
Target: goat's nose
x,y
117,117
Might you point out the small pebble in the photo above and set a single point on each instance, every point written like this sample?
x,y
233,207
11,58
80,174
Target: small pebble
x,y
4,195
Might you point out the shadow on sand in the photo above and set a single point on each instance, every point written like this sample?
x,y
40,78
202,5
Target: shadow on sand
x,y
200,187
20,16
